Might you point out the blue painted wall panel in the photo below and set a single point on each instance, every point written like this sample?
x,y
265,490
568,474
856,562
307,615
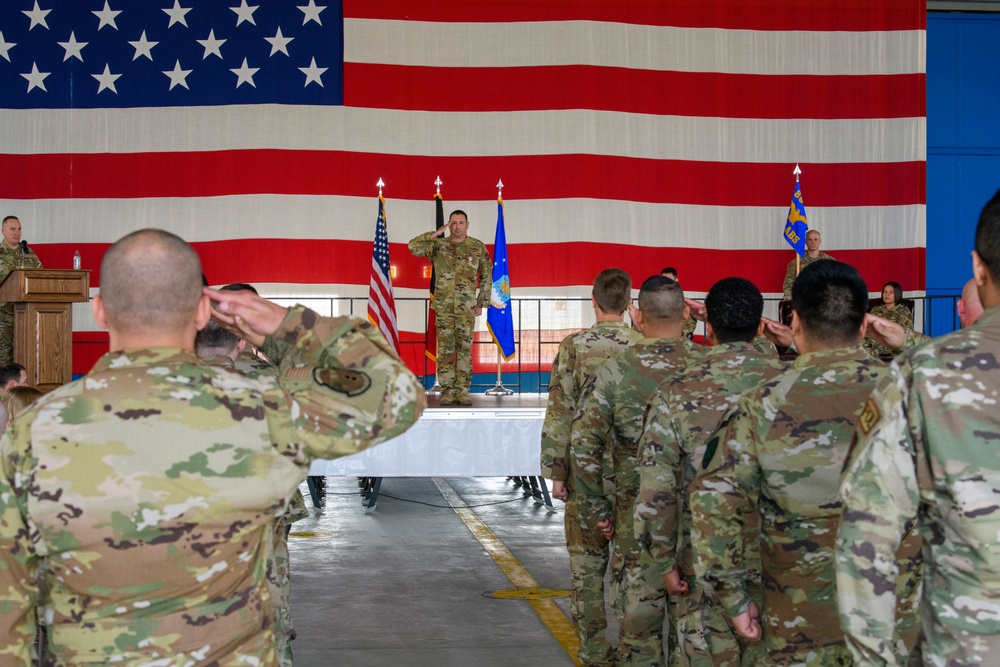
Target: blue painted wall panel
x,y
963,139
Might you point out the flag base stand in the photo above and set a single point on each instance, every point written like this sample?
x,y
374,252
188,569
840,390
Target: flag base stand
x,y
435,390
499,390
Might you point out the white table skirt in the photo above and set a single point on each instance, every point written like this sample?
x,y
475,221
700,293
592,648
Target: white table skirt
x,y
459,442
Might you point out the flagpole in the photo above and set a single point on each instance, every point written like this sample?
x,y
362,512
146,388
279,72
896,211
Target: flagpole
x,y
798,259
437,388
498,389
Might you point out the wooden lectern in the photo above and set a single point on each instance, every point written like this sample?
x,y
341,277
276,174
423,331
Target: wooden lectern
x,y
43,321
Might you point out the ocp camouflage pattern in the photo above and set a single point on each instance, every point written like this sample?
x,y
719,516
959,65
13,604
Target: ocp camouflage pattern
x,y
150,487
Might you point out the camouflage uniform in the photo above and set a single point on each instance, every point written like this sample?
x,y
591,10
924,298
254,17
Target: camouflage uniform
x,y
278,581
150,487
791,275
612,414
252,364
765,346
900,315
928,451
680,422
782,449
10,259
579,356
457,269
689,326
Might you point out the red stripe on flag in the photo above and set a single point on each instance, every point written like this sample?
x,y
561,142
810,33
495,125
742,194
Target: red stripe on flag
x,y
222,173
830,15
628,90
575,263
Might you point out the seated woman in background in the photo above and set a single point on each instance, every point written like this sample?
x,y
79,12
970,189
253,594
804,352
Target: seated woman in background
x,y
15,400
891,309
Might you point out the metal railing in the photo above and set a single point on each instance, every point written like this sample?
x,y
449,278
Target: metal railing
x,y
540,325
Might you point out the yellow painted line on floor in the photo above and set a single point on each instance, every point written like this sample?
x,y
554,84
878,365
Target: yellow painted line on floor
x,y
549,613
529,594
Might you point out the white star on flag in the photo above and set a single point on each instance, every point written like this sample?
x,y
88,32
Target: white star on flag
x,y
245,74
35,78
313,73
37,17
73,48
107,16
143,47
279,42
176,14
245,13
311,12
5,47
107,80
178,76
212,45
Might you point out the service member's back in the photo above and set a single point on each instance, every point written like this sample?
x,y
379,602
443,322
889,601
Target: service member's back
x,y
149,485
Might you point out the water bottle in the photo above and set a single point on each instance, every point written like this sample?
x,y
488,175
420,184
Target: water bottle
x,y
76,260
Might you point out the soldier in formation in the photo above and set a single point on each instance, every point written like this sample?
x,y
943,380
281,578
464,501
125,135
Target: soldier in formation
x,y
928,453
150,486
611,419
217,346
578,357
681,418
781,450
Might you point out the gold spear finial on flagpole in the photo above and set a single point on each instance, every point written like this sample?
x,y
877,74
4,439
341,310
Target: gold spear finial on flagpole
x,y
797,171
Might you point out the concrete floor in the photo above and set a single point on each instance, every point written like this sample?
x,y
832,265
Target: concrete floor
x,y
404,584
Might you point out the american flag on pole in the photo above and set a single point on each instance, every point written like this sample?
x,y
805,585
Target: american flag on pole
x,y
381,303
655,133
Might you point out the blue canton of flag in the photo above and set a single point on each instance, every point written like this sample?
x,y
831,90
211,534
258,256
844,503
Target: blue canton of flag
x,y
499,319
381,302
796,225
142,53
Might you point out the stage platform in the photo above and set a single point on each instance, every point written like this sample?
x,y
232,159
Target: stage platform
x,y
496,436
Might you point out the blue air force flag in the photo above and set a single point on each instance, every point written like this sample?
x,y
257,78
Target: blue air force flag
x,y
796,225
499,319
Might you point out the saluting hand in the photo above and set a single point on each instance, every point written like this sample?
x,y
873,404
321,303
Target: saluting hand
x,y
251,315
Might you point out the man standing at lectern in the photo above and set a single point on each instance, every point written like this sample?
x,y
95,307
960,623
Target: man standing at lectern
x,y
14,254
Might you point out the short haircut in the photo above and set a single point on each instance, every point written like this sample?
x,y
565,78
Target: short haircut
x,y
814,231
733,307
150,279
669,269
458,211
661,300
10,371
213,340
988,236
613,291
9,217
831,299
897,291
239,287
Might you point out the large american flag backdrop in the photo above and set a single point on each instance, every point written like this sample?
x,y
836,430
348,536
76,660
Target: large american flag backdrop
x,y
638,133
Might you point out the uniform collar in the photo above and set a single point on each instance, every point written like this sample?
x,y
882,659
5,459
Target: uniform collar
x,y
144,357
838,354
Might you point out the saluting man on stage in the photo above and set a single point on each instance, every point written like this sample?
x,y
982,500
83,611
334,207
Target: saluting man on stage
x,y
461,264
